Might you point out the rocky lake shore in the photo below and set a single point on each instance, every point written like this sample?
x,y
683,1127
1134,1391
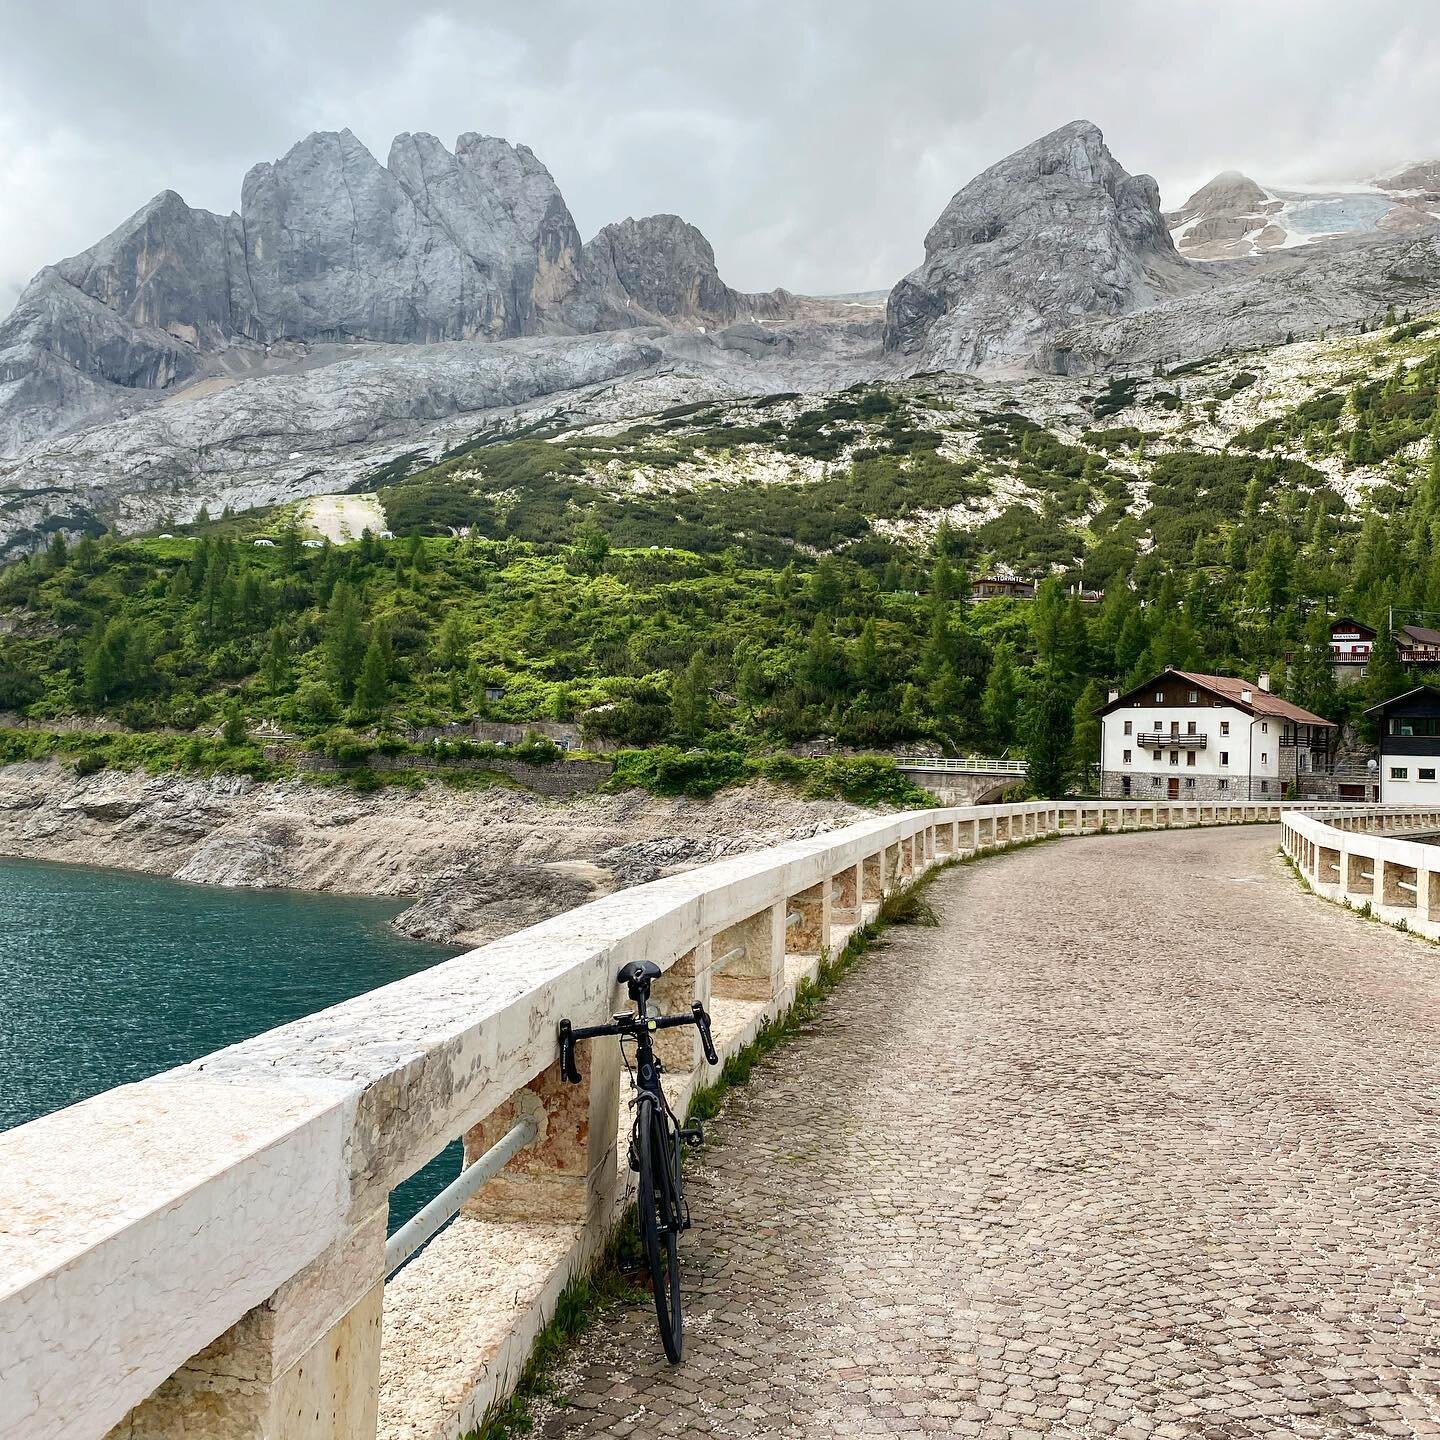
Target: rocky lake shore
x,y
477,864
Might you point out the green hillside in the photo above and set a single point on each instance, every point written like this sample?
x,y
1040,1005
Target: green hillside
x,y
737,576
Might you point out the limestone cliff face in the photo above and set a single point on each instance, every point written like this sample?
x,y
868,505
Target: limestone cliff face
x,y
134,312
433,246
661,270
330,246
1055,232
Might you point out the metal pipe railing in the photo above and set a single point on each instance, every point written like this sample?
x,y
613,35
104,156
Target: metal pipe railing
x,y
966,765
426,1223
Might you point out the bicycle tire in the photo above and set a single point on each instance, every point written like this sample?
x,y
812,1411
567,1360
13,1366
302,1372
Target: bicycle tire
x,y
657,1151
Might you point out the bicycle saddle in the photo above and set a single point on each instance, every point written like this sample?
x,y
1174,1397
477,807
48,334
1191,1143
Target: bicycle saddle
x,y
638,971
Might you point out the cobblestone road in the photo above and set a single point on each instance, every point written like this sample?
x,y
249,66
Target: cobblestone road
x,y
1143,1141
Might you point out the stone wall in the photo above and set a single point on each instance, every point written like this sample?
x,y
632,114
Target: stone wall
x,y
564,777
1206,788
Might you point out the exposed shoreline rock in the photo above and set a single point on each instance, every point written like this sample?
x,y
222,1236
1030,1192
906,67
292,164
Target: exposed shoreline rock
x,y
478,864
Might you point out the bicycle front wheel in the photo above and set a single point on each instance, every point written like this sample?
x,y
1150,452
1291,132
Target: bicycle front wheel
x,y
657,1150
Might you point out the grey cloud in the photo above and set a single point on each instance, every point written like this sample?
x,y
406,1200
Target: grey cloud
x,y
814,143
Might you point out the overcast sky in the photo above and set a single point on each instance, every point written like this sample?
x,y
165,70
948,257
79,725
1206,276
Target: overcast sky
x,y
813,141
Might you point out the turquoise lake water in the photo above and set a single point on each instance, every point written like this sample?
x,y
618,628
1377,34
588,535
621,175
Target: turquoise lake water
x,y
107,977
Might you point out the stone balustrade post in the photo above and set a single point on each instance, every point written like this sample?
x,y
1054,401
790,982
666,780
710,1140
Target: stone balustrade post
x,y
305,1365
846,889
1352,879
685,982
569,1171
758,972
872,876
811,936
892,866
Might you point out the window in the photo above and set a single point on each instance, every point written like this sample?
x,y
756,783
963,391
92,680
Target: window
x,y
1264,757
1174,757
1194,697
1129,726
1124,784
1399,772
1127,758
1189,783
1415,725
1264,787
1426,773
1224,757
1190,728
1264,727
1190,758
1222,783
1174,727
1224,727
1157,754
1159,697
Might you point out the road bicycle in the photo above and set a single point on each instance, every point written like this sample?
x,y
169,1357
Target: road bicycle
x,y
655,1137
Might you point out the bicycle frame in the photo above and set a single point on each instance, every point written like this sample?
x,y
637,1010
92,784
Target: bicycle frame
x,y
655,1136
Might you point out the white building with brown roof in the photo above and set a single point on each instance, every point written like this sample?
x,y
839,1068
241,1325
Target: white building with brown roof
x,y
1188,736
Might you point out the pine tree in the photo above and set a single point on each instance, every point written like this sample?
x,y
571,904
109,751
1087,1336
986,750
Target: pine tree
x,y
692,708
827,588
234,731
866,666
1001,702
453,647
1085,734
822,667
1384,675
277,671
949,700
292,548
117,663
344,639
372,693
1311,682
1046,727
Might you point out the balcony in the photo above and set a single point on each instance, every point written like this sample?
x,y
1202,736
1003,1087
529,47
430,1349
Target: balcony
x,y
1169,740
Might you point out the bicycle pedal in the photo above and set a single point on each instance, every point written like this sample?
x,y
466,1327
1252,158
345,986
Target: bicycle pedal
x,y
693,1135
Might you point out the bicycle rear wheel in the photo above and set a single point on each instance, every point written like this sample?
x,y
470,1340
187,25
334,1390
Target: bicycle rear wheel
x,y
657,1151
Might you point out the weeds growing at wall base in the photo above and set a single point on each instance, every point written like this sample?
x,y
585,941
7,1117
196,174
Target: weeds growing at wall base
x,y
611,1280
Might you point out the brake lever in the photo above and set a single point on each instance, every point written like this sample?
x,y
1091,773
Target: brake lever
x,y
567,1054
702,1024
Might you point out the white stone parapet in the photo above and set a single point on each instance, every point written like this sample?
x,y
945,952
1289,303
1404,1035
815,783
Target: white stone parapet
x,y
1356,857
203,1253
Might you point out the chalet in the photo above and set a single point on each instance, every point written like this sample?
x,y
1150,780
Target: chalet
x,y
1000,587
1418,645
1350,642
1409,726
1187,736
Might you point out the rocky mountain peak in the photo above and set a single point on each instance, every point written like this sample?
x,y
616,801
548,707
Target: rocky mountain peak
x,y
660,270
1058,229
1229,190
